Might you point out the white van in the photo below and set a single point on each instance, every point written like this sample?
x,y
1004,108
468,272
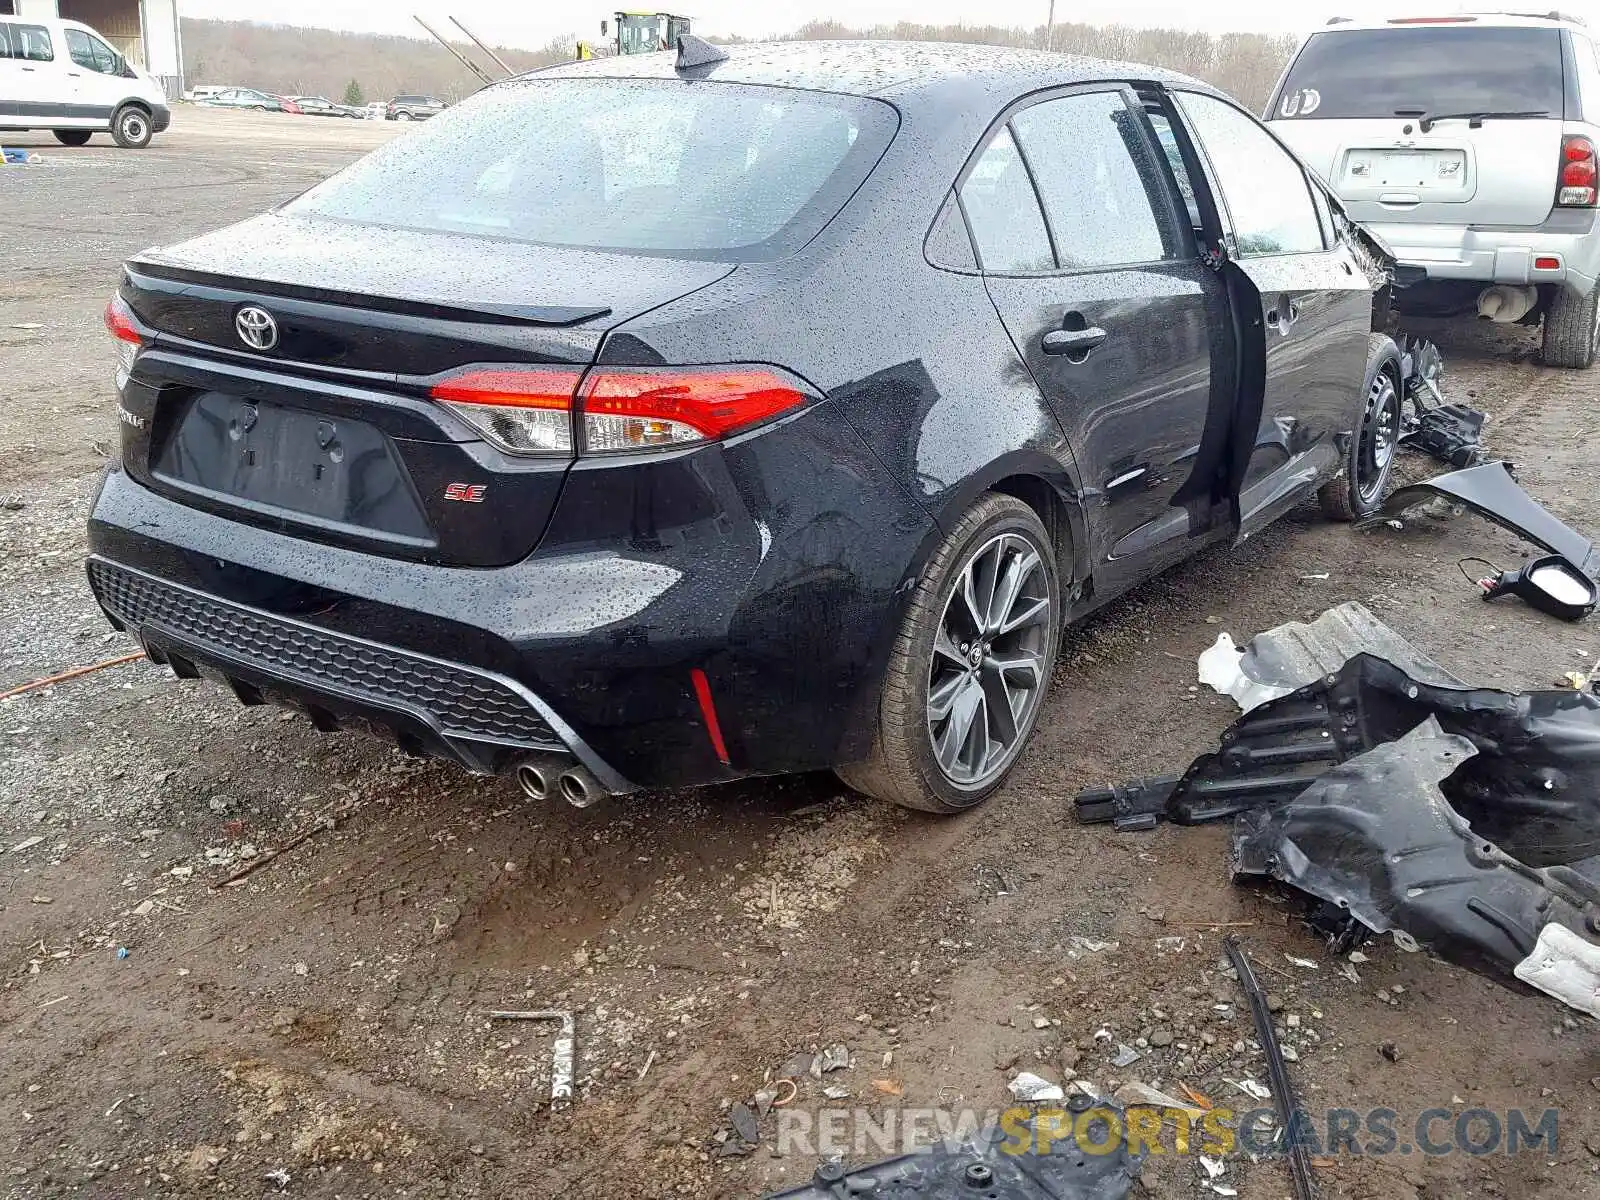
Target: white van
x,y
64,77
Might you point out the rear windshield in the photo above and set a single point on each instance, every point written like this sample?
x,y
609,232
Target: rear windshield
x,y
1438,69
702,169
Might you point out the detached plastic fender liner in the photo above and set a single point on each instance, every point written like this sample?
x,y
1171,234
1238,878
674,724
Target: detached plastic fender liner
x,y
1376,837
1532,787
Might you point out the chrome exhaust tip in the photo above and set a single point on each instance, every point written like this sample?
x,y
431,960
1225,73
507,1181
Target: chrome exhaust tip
x,y
580,789
534,780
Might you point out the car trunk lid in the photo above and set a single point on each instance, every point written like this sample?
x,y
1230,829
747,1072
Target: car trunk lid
x,y
326,428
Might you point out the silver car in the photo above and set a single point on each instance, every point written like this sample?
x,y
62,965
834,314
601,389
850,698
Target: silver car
x,y
1468,143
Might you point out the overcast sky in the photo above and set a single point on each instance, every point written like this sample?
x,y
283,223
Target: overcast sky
x,y
531,23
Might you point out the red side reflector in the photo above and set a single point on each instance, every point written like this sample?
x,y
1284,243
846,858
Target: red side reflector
x,y
715,401
708,711
522,387
119,322
1545,263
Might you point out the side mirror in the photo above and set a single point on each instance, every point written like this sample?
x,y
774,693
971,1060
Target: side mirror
x,y
1550,584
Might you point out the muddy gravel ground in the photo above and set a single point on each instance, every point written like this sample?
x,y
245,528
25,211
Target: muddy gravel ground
x,y
320,1029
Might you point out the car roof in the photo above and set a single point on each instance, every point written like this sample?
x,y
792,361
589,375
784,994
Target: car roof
x,y
884,69
1459,21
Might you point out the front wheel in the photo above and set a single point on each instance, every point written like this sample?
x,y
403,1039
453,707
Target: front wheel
x,y
131,128
1362,486
1572,329
969,667
73,137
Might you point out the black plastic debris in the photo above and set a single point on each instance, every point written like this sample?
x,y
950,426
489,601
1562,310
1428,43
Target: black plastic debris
x,y
1452,433
1045,1164
1378,838
1533,787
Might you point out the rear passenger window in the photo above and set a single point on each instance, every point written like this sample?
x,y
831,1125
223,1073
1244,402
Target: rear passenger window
x,y
1265,186
30,42
1003,211
1096,176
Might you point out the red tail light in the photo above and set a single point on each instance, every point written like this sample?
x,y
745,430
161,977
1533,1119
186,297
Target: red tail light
x,y
120,325
523,410
643,409
529,410
1576,188
119,322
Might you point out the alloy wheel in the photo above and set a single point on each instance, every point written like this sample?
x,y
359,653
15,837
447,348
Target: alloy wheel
x,y
986,671
1380,434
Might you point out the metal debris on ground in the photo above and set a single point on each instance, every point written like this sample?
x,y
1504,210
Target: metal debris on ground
x,y
1277,1068
1126,1055
1282,659
832,1058
563,1051
1049,1166
1135,1094
1034,1089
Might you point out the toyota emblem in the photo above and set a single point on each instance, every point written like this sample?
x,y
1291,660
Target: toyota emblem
x,y
256,327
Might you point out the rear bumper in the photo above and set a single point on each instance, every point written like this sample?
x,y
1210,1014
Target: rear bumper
x,y
773,566
483,721
1503,255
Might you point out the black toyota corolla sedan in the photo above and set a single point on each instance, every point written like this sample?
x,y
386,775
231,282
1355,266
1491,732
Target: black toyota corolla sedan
x,y
664,420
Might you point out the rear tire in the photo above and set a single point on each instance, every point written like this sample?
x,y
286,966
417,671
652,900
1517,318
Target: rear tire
x,y
1572,329
1363,485
131,128
403,116
73,137
970,665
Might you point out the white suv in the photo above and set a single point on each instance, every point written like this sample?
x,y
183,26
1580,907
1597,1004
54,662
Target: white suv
x,y
1469,144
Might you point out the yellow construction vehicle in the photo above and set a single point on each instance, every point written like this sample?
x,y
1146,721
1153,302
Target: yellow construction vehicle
x,y
637,33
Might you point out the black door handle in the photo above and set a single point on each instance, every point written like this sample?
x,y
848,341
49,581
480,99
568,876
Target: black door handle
x,y
1072,341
